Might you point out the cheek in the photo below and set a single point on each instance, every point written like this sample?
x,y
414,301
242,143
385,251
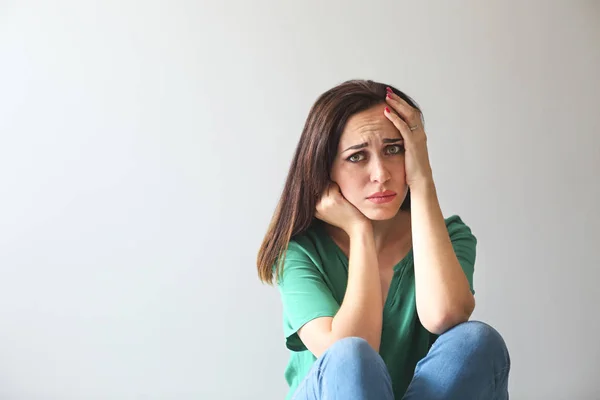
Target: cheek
x,y
352,182
398,166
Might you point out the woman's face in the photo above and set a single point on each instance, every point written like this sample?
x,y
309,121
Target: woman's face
x,y
370,160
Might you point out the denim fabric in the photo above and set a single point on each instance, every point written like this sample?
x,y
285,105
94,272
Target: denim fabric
x,y
469,361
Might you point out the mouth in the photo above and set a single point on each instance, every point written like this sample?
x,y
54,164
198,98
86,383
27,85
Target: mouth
x,y
382,197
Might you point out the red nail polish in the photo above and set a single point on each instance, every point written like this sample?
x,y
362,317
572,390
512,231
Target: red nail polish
x,y
388,96
388,89
387,110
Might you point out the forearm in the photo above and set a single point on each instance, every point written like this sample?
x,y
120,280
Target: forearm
x,y
443,295
361,311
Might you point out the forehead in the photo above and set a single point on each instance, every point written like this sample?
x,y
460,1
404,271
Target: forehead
x,y
368,124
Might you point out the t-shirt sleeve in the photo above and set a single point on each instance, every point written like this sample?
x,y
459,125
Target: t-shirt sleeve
x,y
464,243
304,293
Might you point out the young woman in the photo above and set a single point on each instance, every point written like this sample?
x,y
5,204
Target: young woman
x,y
376,285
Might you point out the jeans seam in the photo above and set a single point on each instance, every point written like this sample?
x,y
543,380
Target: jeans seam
x,y
303,383
324,385
496,376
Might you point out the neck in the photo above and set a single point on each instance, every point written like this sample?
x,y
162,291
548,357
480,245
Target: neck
x,y
391,230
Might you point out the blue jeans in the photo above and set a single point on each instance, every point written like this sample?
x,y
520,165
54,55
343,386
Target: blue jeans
x,y
469,361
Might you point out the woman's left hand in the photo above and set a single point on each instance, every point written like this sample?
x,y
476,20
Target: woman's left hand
x,y
416,161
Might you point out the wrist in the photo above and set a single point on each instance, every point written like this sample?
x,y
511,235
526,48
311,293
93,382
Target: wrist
x,y
422,186
361,229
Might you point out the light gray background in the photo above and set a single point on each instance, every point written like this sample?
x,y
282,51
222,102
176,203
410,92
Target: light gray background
x,y
143,147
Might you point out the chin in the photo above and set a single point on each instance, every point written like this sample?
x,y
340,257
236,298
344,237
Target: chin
x,y
381,214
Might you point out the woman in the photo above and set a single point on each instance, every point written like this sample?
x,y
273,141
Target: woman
x,y
377,287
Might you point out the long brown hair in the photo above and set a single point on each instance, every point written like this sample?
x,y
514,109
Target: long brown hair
x,y
308,175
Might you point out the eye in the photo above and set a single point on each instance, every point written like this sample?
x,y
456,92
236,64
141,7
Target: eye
x,y
356,157
395,149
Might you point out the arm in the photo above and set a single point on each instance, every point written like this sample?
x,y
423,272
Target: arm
x,y
361,311
443,295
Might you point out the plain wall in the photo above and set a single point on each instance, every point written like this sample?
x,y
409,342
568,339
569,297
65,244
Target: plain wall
x,y
143,147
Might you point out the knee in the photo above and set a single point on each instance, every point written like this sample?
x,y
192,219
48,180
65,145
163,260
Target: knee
x,y
480,334
351,346
353,350
482,340
352,365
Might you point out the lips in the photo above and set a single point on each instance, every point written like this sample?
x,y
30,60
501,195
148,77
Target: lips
x,y
386,193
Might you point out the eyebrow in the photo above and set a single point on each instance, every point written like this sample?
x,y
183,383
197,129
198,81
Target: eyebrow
x,y
363,145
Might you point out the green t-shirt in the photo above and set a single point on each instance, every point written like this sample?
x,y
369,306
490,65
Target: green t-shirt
x,y
313,284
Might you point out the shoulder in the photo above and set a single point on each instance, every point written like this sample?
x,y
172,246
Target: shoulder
x,y
458,229
305,245
305,252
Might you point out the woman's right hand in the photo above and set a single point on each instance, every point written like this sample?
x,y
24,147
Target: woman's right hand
x,y
336,210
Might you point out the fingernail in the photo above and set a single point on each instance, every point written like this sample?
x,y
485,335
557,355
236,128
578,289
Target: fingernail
x,y
389,96
387,110
388,89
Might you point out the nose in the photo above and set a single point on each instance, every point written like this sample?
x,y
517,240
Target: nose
x,y
379,172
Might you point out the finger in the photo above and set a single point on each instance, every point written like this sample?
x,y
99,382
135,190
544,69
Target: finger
x,y
411,115
399,124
